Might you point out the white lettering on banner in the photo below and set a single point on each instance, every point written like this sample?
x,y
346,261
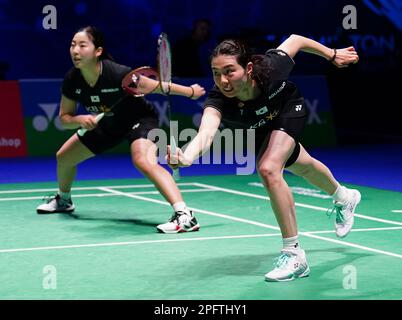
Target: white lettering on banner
x,y
10,142
312,107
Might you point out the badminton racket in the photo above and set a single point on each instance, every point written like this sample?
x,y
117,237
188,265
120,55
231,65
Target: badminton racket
x,y
165,79
130,85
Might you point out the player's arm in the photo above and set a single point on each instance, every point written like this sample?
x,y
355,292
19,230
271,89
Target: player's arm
x,y
339,57
194,91
70,120
210,122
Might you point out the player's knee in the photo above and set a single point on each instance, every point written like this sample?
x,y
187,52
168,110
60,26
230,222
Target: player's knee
x,y
61,157
142,163
271,174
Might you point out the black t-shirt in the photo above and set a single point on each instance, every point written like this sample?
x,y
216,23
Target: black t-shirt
x,y
106,93
260,112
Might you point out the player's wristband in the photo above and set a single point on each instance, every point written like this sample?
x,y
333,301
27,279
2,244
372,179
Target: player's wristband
x,y
333,57
192,92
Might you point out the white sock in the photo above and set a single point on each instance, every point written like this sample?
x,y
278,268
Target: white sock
x,y
65,195
340,194
291,244
179,206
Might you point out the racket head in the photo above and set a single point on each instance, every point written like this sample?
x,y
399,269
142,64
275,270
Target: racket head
x,y
131,80
164,63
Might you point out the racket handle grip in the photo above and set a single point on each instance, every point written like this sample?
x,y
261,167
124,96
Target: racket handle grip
x,y
82,131
176,174
173,147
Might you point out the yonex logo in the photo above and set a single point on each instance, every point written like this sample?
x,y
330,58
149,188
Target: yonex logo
x,y
77,91
41,123
136,126
298,107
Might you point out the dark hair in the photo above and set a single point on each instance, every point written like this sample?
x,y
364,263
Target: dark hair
x,y
97,39
239,49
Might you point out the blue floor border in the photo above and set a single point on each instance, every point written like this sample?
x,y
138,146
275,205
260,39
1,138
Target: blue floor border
x,y
378,166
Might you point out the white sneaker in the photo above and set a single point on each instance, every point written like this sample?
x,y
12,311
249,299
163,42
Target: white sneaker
x,y
345,213
56,204
180,222
289,266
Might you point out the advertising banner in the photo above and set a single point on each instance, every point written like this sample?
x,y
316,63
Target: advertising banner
x,y
45,135
12,132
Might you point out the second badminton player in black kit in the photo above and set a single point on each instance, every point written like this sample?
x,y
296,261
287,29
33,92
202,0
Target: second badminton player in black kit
x,y
95,82
253,92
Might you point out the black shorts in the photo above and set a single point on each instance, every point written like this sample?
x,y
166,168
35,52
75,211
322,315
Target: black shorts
x,y
100,140
291,120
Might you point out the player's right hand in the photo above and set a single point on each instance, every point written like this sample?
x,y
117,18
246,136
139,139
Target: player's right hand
x,y
345,57
87,121
178,159
198,91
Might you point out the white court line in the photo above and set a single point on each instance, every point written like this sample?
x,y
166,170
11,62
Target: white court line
x,y
359,230
396,210
108,194
109,244
93,188
202,185
307,234
137,242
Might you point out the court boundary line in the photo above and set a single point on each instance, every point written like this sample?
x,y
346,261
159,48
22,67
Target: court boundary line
x,y
110,244
307,234
148,185
297,204
108,194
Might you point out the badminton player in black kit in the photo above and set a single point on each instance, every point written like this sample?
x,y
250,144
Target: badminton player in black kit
x,y
95,82
253,92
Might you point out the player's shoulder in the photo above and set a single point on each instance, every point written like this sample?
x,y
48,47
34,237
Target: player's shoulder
x,y
114,67
215,92
277,55
72,75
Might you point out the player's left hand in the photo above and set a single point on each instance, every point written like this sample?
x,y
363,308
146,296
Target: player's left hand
x,y
198,91
178,159
345,56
